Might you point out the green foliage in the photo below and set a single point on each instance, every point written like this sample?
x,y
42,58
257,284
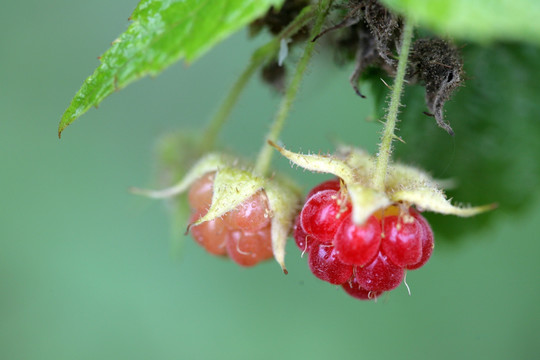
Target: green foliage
x,y
493,156
477,20
162,32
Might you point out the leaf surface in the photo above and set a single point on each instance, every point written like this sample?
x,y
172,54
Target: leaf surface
x,y
477,20
161,33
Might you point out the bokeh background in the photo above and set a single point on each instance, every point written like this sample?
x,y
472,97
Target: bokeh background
x,y
88,271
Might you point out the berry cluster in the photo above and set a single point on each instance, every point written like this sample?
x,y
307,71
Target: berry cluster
x,y
367,259
243,233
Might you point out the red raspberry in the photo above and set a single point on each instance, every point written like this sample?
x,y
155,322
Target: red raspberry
x,y
212,235
244,234
402,241
358,245
251,215
366,260
325,265
302,239
426,239
333,184
200,192
353,288
323,213
247,248
380,274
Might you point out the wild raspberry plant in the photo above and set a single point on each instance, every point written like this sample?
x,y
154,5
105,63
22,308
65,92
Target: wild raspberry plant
x,y
362,230
235,211
366,259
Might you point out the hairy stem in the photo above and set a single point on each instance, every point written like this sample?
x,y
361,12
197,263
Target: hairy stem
x,y
258,58
265,155
385,147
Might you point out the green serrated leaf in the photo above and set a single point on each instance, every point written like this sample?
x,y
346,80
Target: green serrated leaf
x,y
162,32
477,20
494,155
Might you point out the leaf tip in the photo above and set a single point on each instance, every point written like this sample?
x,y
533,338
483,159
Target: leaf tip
x,y
61,127
481,209
64,123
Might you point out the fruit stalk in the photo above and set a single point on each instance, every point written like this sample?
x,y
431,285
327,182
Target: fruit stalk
x,y
385,147
266,152
257,59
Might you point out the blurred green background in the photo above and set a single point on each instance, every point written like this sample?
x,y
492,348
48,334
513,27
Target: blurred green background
x,y
87,270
